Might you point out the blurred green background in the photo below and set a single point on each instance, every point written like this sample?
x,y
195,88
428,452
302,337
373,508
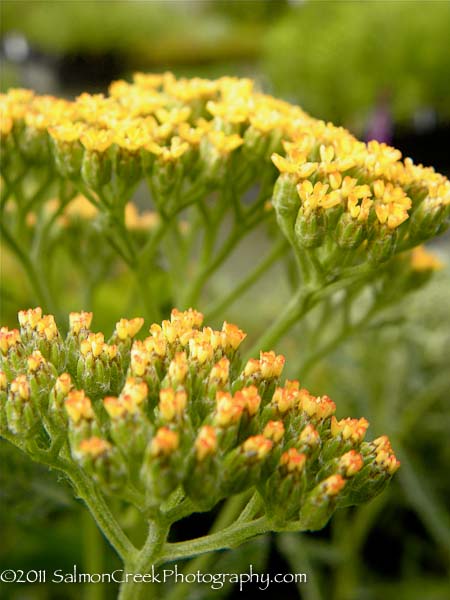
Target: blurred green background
x,y
381,69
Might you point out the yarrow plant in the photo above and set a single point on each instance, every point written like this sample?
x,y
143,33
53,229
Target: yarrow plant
x,y
209,152
173,423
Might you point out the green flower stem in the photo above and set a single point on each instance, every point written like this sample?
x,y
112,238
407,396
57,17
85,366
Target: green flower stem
x,y
133,261
200,563
350,530
194,291
174,249
231,537
251,508
93,552
230,513
86,491
222,304
43,297
147,253
345,332
299,305
99,509
142,562
31,263
41,191
43,232
181,510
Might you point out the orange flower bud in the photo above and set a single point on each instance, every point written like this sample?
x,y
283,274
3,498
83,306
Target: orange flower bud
x,y
128,328
274,430
21,387
206,442
94,447
78,406
164,443
258,446
79,320
333,485
293,460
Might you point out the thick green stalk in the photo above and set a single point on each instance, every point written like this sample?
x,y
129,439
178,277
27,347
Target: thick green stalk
x,y
93,553
104,518
230,513
143,561
231,537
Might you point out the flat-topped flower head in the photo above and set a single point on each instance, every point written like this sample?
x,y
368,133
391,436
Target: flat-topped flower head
x,y
257,446
172,404
63,384
333,485
157,127
350,463
47,327
35,361
269,365
250,398
309,436
228,409
285,398
220,371
3,381
179,411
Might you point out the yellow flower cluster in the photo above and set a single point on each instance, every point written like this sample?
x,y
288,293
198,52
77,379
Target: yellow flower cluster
x,y
167,118
332,168
184,412
156,113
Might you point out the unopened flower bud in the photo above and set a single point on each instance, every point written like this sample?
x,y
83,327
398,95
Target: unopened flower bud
x,y
206,442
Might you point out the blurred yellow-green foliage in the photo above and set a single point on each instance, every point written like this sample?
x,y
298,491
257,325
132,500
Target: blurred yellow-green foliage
x,y
336,58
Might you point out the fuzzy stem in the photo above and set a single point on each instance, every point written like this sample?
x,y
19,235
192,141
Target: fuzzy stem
x,y
231,537
103,516
93,556
149,556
